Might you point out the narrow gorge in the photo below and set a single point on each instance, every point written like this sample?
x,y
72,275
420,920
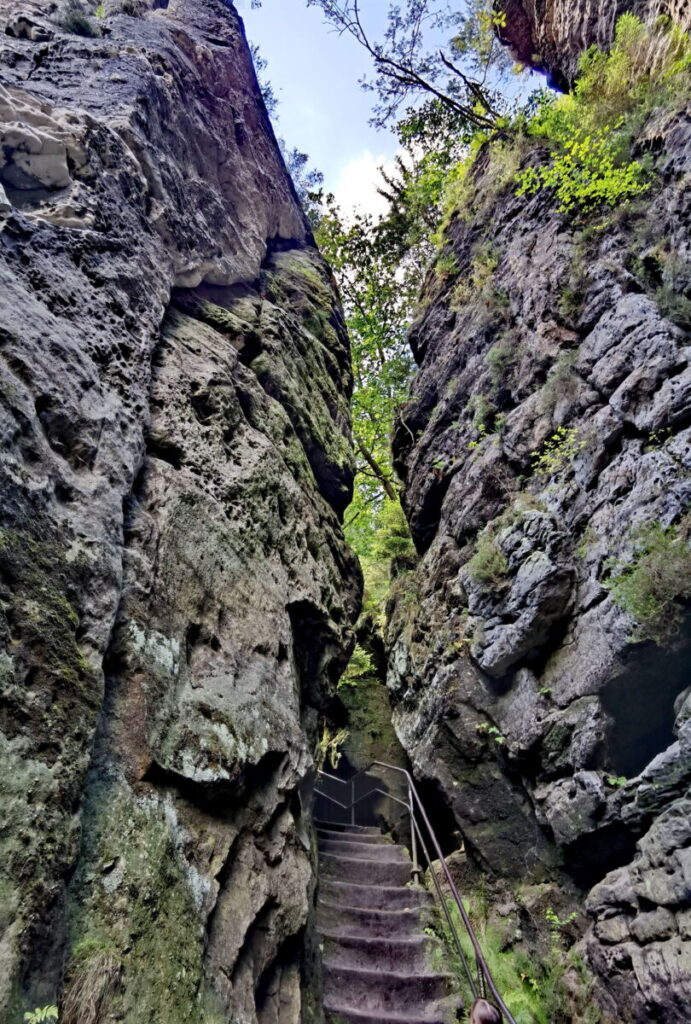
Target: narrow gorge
x,y
181,614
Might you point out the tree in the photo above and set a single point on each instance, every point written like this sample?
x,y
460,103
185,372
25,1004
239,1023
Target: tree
x,y
378,292
408,64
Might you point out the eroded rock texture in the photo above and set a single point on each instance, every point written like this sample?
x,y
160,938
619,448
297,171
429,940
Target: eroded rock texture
x,y
519,688
176,593
551,35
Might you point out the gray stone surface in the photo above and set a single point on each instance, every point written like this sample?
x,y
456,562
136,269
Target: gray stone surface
x,y
176,593
551,36
554,733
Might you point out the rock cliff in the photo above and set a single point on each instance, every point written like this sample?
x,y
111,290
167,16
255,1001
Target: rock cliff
x,y
551,35
176,595
548,425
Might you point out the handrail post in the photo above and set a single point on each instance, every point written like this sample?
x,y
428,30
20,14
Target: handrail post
x,y
415,806
413,838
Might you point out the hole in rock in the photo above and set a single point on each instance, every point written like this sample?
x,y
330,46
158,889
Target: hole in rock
x,y
280,973
441,817
640,704
166,450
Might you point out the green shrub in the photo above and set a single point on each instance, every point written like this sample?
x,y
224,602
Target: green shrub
x,y
481,410
558,451
359,667
650,587
515,977
41,1014
75,18
674,306
393,537
446,265
488,566
584,172
500,358
590,131
561,380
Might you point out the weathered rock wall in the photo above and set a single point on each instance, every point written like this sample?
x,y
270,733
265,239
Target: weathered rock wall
x,y
559,742
552,35
176,592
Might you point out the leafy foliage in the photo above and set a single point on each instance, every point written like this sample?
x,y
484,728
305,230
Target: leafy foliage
x,y
584,172
651,586
360,666
327,750
488,566
532,990
558,451
409,64
378,288
492,732
590,131
76,17
41,1014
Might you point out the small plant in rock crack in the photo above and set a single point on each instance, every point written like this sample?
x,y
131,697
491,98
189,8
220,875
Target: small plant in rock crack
x,y
75,18
327,748
558,924
41,1014
656,439
482,434
616,781
446,266
658,577
489,566
491,732
558,451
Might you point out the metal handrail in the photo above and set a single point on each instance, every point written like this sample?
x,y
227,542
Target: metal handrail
x,y
415,808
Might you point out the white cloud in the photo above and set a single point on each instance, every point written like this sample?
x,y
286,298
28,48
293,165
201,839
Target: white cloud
x,y
356,184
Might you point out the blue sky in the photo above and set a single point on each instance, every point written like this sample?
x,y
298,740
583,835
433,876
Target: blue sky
x,y
322,109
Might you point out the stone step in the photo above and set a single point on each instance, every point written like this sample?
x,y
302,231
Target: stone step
x,y
373,897
355,837
372,872
444,1011
351,922
377,958
383,991
364,851
411,954
336,826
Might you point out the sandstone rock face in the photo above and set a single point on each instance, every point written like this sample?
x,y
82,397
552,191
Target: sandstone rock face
x,y
176,593
552,35
549,418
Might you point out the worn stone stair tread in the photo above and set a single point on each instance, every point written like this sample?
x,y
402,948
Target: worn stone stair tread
x,y
355,922
385,984
363,851
377,959
356,869
441,1013
364,830
355,837
374,897
380,952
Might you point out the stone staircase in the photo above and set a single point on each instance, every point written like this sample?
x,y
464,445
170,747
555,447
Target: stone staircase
x,y
377,957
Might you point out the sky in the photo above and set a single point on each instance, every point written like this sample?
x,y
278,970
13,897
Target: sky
x,y
322,109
